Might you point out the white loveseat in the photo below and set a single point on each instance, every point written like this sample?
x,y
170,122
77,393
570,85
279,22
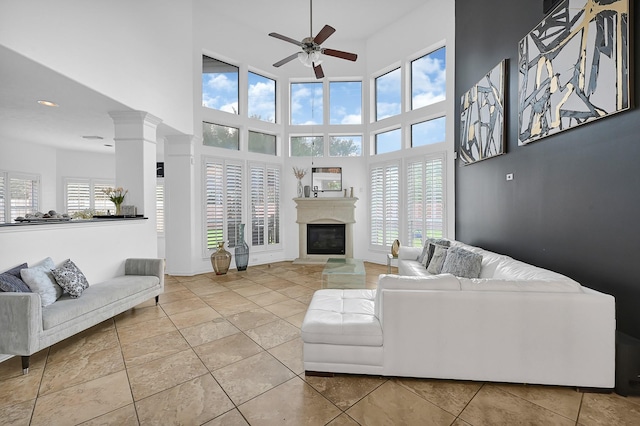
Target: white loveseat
x,y
516,323
27,327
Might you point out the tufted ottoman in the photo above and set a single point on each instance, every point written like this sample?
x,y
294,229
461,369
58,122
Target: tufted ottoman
x,y
342,334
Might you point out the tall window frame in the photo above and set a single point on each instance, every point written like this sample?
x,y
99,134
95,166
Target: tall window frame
x,y
425,198
265,181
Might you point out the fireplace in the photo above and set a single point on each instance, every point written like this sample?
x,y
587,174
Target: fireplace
x,y
327,223
326,238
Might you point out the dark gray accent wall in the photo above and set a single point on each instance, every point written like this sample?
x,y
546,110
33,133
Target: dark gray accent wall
x,y
574,204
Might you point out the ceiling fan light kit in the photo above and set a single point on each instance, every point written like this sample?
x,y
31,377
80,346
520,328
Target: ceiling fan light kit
x,y
310,56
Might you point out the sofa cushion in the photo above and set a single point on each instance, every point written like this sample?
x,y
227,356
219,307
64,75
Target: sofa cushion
x,y
97,296
11,280
425,249
462,263
70,278
544,286
342,317
40,280
437,260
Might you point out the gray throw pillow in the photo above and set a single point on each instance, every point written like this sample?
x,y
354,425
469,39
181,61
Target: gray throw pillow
x,y
425,249
40,280
70,278
437,260
462,263
12,282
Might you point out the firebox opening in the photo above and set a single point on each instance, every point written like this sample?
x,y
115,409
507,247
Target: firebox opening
x,y
326,238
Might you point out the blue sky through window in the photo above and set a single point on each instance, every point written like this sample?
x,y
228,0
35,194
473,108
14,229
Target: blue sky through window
x,y
219,85
388,94
306,103
262,98
388,141
428,132
345,102
428,79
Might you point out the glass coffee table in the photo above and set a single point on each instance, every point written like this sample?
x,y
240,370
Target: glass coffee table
x,y
343,273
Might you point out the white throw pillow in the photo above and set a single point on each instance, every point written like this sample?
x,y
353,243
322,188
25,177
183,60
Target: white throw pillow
x,y
41,281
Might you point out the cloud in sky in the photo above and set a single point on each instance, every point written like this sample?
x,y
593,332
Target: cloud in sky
x,y
262,99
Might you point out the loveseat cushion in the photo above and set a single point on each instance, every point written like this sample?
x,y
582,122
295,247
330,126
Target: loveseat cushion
x,y
95,297
342,317
462,263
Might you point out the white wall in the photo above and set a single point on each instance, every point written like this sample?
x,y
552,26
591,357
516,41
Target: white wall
x,y
135,52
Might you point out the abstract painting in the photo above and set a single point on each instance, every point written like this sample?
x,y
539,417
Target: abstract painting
x,y
482,118
573,67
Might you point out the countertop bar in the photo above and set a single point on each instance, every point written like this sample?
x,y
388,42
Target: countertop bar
x,y
73,221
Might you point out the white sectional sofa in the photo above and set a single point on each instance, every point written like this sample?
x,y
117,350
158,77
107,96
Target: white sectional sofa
x,y
515,323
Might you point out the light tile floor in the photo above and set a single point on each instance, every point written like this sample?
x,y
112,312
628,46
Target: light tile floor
x,y
226,350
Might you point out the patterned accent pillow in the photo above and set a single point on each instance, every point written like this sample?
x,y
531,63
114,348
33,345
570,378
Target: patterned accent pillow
x,y
425,249
70,278
437,260
12,282
462,263
40,280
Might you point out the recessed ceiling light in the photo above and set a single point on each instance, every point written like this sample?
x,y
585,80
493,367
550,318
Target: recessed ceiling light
x,y
108,145
48,103
93,137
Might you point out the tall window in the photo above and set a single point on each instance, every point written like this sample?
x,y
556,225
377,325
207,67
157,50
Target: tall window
x,y
385,203
428,79
86,194
345,102
265,205
428,132
220,136
223,187
306,103
219,85
425,199
388,141
345,146
18,195
389,94
262,98
307,146
262,143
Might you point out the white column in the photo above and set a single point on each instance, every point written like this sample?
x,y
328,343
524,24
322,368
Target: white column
x,y
182,246
136,143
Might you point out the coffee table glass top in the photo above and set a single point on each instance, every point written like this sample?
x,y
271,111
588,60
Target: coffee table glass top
x,y
343,273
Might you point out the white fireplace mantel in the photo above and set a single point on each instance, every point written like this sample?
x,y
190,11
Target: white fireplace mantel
x,y
324,210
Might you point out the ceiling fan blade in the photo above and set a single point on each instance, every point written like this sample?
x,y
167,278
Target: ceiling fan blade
x,y
340,54
285,38
324,34
318,70
285,60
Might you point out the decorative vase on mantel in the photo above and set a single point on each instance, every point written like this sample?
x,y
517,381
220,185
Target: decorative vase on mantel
x,y
220,260
300,190
242,249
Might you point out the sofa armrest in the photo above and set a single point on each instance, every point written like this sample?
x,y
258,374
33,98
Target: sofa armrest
x,y
148,267
21,319
409,253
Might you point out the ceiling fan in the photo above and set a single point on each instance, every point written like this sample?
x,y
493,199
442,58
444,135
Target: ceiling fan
x,y
311,49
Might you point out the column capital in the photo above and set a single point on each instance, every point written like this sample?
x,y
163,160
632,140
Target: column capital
x,y
135,125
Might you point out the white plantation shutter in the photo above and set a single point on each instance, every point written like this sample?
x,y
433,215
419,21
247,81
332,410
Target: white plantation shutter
x,y
415,203
23,196
385,200
434,197
101,202
223,186
78,196
265,205
233,199
3,204
160,206
425,199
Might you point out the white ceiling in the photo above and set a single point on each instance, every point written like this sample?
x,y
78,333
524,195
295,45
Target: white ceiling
x,y
84,112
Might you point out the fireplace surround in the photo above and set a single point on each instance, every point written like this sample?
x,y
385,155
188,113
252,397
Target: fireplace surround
x,y
324,211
